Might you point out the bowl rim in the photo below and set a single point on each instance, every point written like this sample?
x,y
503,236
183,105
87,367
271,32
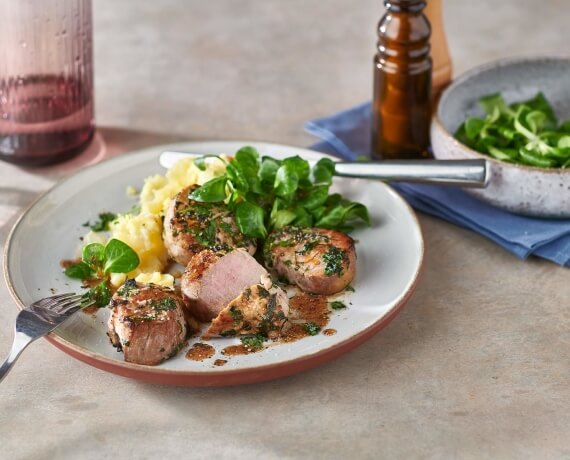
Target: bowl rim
x,y
503,62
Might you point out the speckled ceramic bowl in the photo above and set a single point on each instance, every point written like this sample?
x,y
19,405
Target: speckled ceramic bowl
x,y
520,189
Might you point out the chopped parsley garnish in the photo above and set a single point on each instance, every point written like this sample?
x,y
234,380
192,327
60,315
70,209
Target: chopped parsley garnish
x,y
135,210
337,305
126,289
266,324
312,328
144,318
102,225
308,247
333,260
253,341
165,304
208,235
227,228
228,333
263,293
236,314
200,211
272,302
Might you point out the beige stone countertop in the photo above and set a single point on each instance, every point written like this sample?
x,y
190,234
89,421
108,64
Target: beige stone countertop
x,y
476,366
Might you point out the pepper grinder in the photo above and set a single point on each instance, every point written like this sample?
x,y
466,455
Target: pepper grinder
x,y
401,107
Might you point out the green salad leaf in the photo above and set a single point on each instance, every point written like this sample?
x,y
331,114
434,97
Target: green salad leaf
x,y
212,191
119,257
323,171
266,194
100,294
80,271
93,255
200,162
525,132
249,218
98,261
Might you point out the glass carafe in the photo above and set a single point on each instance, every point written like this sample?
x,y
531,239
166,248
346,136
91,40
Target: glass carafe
x,y
46,80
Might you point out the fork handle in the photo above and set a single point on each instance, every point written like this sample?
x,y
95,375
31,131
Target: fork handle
x,y
20,342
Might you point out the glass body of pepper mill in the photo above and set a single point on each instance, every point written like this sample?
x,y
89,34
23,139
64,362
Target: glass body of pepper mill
x,y
401,108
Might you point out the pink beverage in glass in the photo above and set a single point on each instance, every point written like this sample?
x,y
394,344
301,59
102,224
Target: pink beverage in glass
x,y
46,80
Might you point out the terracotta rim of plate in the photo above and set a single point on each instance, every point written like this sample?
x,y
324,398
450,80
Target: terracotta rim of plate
x,y
223,377
475,71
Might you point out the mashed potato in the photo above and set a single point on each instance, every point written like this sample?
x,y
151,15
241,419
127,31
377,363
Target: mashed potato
x,y
162,279
159,190
143,233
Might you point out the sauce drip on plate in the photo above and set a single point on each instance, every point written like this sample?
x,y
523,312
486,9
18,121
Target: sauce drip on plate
x,y
236,350
66,263
307,313
200,351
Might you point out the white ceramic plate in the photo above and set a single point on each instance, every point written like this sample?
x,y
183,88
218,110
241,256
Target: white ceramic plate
x,y
389,260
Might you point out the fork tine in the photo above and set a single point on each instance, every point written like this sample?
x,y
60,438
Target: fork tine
x,y
61,296
77,304
53,305
48,301
70,309
41,318
70,302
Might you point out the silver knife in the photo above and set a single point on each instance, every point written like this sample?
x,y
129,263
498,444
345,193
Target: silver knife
x,y
462,173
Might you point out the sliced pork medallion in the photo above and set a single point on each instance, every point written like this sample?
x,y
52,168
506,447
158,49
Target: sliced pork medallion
x,y
146,322
214,279
260,309
317,260
191,226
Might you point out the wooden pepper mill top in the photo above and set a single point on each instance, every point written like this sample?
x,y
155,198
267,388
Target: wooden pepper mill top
x,y
441,61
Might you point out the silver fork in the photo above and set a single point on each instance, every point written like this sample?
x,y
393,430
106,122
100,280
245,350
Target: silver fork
x,y
39,319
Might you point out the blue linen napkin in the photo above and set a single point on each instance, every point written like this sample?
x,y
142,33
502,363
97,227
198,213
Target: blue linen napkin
x,y
347,134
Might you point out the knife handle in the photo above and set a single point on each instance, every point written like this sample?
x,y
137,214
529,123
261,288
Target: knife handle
x,y
463,173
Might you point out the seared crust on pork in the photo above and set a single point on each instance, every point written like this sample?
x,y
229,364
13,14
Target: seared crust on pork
x,y
191,226
146,322
318,260
260,309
